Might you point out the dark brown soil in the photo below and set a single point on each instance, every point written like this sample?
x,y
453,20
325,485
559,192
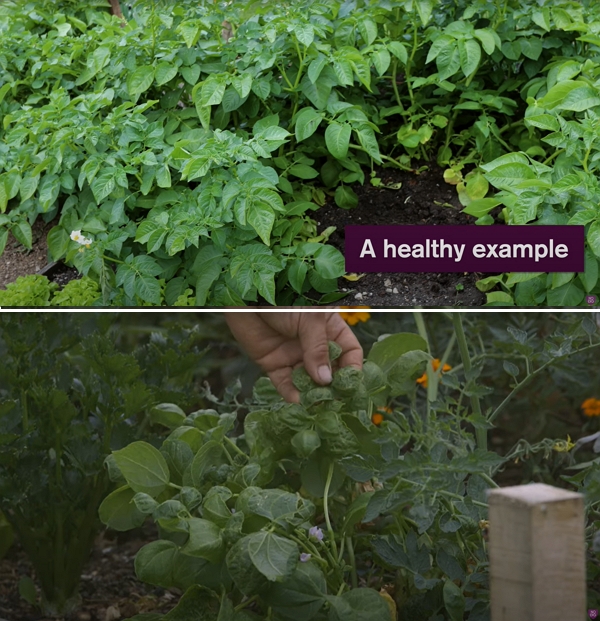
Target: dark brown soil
x,y
109,589
421,199
18,261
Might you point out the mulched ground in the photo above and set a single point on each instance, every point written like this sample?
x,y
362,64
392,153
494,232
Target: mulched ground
x,y
110,590
18,261
421,199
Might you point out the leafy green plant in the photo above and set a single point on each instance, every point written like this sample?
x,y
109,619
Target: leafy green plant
x,y
562,118
32,290
37,290
79,292
366,499
194,156
68,397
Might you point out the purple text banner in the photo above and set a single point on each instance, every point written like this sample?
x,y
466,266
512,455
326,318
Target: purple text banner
x,y
496,248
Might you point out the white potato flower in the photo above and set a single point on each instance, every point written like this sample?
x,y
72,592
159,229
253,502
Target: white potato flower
x,y
76,236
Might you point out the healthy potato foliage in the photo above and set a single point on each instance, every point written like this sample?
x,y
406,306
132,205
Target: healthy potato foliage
x,y
194,142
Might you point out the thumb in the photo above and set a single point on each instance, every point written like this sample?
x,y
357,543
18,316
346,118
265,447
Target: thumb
x,y
312,334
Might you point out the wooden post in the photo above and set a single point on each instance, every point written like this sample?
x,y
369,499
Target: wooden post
x,y
537,554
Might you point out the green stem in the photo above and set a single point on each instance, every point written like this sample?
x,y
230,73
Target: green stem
x,y
24,413
535,373
354,576
236,448
481,434
446,492
420,322
409,65
585,159
284,75
395,87
383,157
422,330
111,259
326,510
488,480
246,603
555,154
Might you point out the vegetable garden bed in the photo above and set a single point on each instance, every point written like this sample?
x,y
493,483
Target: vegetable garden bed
x,y
188,148
366,501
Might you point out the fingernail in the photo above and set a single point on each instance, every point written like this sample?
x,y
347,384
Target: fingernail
x,y
325,374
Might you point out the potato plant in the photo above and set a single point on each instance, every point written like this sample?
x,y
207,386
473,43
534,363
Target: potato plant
x,y
193,143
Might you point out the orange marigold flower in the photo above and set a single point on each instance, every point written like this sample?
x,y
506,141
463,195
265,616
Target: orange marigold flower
x,y
353,317
377,418
436,365
591,407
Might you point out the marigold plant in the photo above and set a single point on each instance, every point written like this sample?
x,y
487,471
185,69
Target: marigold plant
x,y
435,363
591,407
354,317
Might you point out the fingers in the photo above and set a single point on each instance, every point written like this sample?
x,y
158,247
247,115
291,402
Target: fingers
x,y
280,341
312,334
340,332
282,380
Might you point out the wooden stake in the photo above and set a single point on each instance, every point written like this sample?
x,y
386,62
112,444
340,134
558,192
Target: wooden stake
x,y
537,554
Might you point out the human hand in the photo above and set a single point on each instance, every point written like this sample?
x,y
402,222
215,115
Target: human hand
x,y
280,342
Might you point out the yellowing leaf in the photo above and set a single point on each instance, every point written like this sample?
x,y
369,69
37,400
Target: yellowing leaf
x,y
353,277
451,176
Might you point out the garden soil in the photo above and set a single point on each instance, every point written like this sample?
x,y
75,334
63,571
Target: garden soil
x,y
422,198
18,261
109,590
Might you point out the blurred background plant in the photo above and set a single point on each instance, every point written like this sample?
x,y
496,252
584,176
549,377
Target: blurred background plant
x,y
73,388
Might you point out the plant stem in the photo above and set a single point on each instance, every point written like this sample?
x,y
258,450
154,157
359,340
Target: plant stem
x,y
353,576
395,86
409,65
587,155
445,492
481,434
236,448
326,509
383,157
111,259
245,603
555,154
488,480
24,414
535,373
422,330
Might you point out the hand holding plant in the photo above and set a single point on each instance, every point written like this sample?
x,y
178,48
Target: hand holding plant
x,y
280,342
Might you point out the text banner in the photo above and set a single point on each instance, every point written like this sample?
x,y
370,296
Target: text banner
x,y
497,248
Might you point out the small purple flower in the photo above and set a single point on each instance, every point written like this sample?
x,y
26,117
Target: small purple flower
x,y
305,557
315,533
593,614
